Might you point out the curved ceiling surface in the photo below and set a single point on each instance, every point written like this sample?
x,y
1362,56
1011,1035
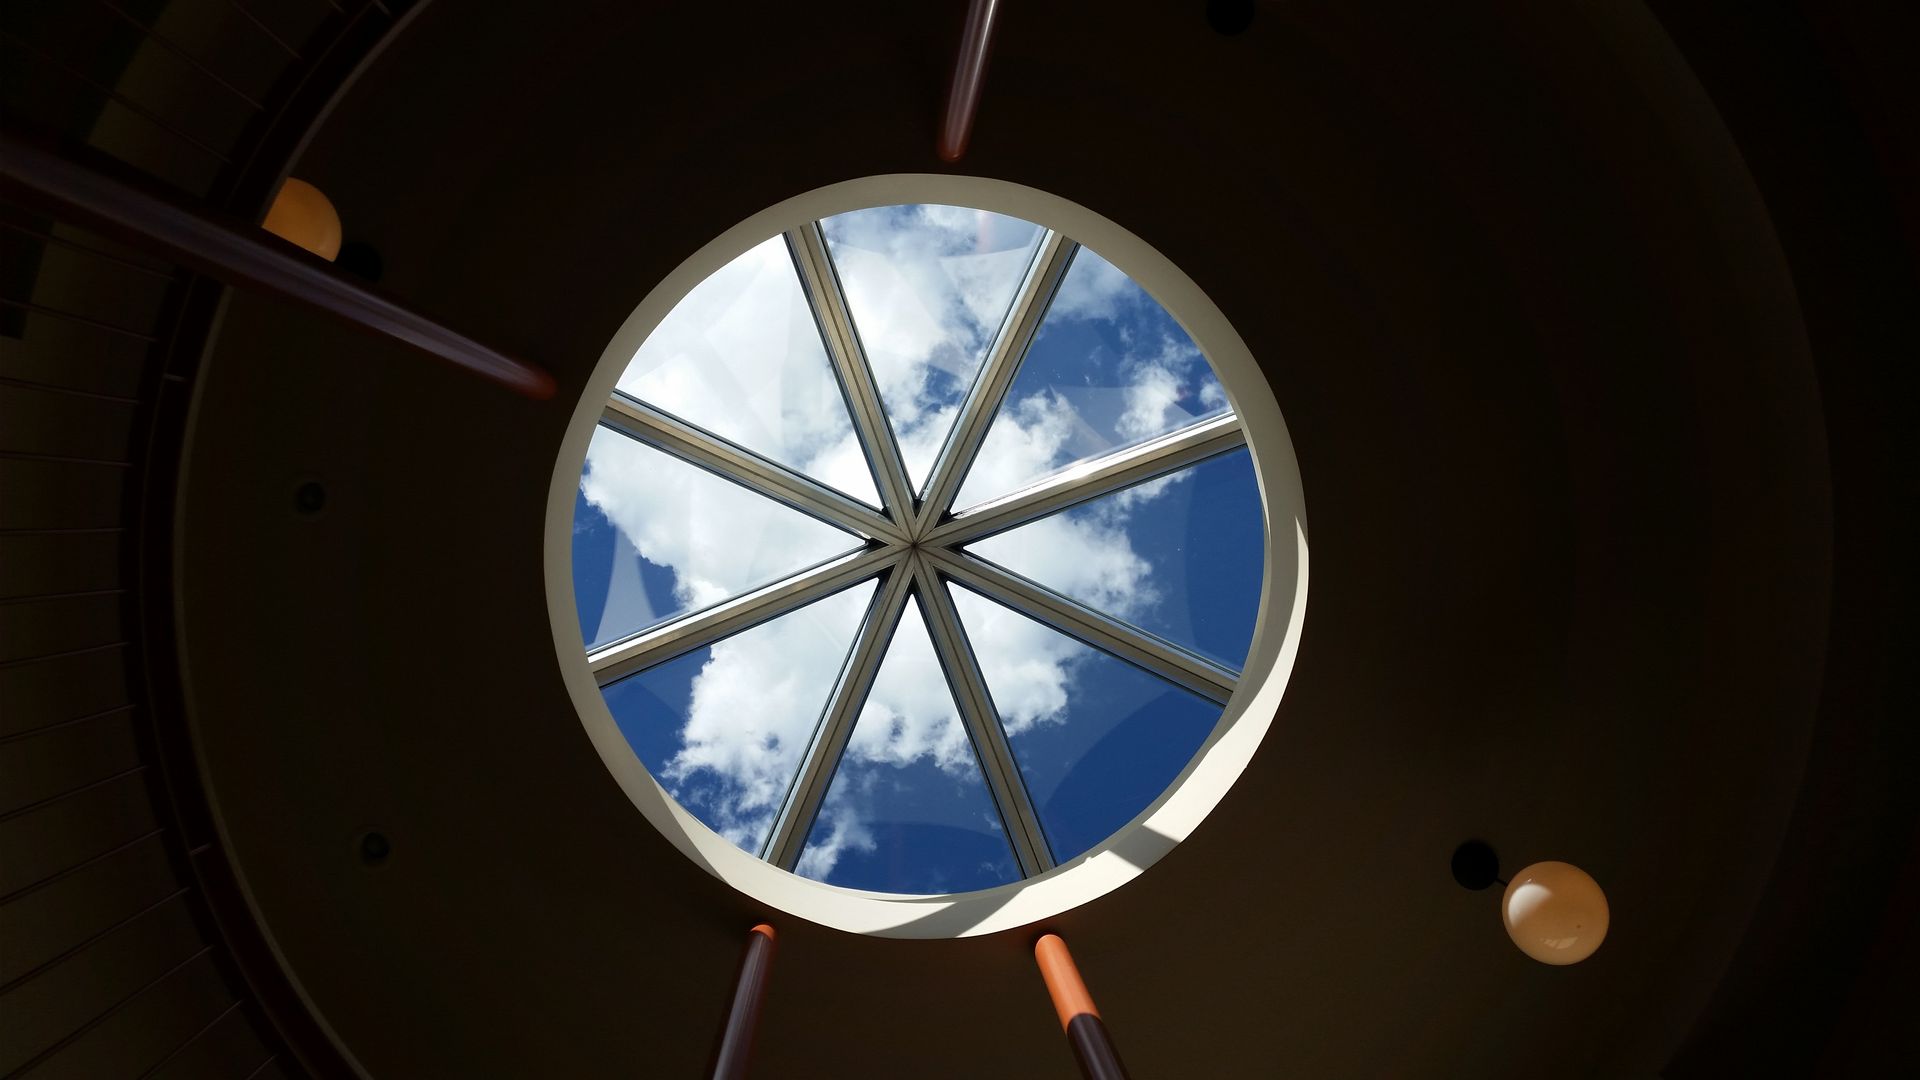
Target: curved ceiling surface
x,y
1542,368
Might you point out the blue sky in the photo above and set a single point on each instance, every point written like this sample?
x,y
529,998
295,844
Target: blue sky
x,y
723,728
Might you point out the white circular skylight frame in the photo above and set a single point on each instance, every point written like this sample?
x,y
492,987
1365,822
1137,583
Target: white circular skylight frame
x,y
915,545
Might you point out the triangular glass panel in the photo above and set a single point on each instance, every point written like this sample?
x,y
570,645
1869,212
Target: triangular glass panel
x,y
741,356
1109,368
1097,739
1181,556
928,288
908,810
655,537
723,729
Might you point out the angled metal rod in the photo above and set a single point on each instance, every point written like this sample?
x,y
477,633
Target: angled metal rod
x,y
977,712
822,283
969,75
75,721
1129,643
68,871
43,658
742,466
173,1055
88,942
109,1013
114,96
186,57
42,804
66,391
1086,1032
263,28
996,376
68,316
708,625
236,252
735,1048
163,274
795,820
1091,479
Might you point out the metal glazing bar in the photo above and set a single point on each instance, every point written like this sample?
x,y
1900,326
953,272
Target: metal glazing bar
x,y
996,375
49,182
770,478
731,1056
1091,479
1163,658
1079,1019
802,805
969,75
977,712
704,627
817,275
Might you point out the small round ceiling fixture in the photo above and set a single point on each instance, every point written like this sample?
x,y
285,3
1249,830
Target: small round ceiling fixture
x,y
927,556
1555,912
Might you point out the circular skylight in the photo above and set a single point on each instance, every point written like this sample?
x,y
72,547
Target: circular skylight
x,y
917,549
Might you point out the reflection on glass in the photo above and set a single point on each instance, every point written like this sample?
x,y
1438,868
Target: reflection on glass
x,y
742,357
723,728
1181,556
1096,738
1109,368
908,810
928,287
654,537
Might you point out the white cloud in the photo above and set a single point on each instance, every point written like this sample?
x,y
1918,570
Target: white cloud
x,y
928,287
740,355
716,537
736,358
755,704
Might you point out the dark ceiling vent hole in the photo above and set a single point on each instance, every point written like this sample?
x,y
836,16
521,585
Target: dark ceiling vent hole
x,y
1475,866
1230,17
375,847
310,498
359,258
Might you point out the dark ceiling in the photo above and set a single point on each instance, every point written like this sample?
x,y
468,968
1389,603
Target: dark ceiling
x,y
1585,319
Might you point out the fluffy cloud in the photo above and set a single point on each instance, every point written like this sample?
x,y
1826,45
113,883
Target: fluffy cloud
x,y
929,287
717,537
741,356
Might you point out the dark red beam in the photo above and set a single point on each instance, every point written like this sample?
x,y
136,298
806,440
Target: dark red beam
x,y
1086,1033
236,252
969,74
730,1058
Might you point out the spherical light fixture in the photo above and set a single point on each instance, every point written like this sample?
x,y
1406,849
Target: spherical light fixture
x,y
1555,912
302,215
